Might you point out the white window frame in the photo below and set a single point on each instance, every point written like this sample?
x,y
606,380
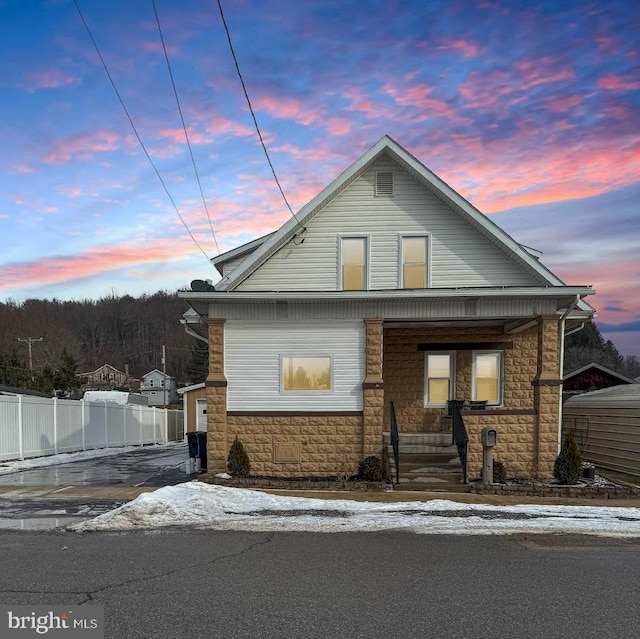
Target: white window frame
x,y
500,355
452,377
401,237
367,257
282,357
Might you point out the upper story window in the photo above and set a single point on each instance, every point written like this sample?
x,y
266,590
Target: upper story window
x,y
439,377
414,260
487,377
353,267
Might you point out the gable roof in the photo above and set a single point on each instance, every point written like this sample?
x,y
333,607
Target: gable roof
x,y
601,369
220,260
159,372
265,248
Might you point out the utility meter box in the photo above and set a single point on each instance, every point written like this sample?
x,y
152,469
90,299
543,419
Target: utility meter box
x,y
489,436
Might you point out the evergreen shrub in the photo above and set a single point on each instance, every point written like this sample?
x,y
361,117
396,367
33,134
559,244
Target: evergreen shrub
x,y
568,465
370,469
238,464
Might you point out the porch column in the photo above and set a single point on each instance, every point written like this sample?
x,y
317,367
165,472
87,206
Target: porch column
x,y
216,384
373,389
547,386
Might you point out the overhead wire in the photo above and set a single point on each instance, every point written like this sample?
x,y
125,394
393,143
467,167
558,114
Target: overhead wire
x,y
255,121
184,126
144,148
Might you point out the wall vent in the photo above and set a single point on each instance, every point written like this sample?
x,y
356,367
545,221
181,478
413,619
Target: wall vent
x,y
384,183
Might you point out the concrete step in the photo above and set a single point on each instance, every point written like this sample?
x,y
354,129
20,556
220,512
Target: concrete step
x,y
442,487
422,449
420,439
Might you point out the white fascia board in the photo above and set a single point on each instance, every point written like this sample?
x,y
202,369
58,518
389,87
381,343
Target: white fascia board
x,y
236,252
557,292
186,389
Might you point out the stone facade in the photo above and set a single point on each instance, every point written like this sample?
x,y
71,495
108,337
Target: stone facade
x,y
292,445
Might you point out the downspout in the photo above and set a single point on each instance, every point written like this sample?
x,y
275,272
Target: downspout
x,y
189,331
563,320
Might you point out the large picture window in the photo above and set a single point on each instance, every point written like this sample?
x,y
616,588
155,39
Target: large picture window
x,y
353,256
306,373
439,376
414,262
487,377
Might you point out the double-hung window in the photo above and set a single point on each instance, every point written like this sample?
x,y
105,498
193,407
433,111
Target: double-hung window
x,y
439,376
487,377
413,261
353,267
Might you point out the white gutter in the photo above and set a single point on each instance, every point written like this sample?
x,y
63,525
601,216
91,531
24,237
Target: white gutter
x,y
563,320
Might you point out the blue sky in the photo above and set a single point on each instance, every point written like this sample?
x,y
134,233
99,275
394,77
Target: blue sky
x,y
530,110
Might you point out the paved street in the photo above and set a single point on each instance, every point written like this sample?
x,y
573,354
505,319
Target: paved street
x,y
44,498
192,584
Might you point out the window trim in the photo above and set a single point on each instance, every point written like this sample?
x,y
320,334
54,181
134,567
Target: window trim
x,y
452,378
315,393
427,237
367,257
500,355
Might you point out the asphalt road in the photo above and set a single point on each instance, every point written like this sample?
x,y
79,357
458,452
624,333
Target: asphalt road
x,y
195,584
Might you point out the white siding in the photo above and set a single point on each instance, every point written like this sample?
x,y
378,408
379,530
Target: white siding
x,y
459,254
252,364
227,267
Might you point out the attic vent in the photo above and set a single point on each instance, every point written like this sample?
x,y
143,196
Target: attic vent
x,y
384,183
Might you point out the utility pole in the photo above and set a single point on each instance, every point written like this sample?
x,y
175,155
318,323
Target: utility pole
x,y
164,372
29,341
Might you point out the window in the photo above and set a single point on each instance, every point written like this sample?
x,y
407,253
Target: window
x,y
150,382
306,373
439,375
353,255
487,377
414,262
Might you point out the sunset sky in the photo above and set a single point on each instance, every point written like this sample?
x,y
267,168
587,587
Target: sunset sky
x,y
530,110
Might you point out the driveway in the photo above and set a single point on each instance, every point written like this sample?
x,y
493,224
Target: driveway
x,y
45,498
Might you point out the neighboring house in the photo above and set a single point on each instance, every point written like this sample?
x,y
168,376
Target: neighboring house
x,y
159,388
15,390
107,377
194,405
387,286
591,377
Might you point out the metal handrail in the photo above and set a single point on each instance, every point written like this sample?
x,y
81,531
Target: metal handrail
x,y
395,440
460,435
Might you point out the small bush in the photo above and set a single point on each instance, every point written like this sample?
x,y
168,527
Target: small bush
x,y
568,465
370,469
499,472
238,464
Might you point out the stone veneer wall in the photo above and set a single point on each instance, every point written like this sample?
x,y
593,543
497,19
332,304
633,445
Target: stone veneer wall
x,y
528,425
325,444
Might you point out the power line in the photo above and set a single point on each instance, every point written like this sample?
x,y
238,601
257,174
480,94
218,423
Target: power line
x,y
144,148
184,126
255,121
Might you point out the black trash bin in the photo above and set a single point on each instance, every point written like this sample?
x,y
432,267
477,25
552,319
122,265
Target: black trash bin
x,y
197,444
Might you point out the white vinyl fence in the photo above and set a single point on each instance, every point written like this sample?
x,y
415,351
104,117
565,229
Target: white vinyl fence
x,y
37,426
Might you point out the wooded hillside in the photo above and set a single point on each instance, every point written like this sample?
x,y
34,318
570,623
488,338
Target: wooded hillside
x,y
113,330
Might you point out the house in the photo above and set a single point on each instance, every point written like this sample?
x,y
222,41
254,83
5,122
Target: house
x,y
107,377
159,388
194,403
591,377
387,287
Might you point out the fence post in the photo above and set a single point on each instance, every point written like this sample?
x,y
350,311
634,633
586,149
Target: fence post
x,y
20,423
166,426
140,422
55,425
82,426
126,412
106,421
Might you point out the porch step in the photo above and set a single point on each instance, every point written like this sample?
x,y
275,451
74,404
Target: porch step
x,y
420,439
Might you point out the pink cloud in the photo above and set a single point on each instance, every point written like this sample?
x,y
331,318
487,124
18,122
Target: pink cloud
x,y
286,108
338,126
617,83
464,47
542,71
156,47
83,145
23,168
563,104
219,126
50,79
177,135
485,90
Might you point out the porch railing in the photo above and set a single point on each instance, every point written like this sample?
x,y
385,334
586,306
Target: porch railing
x,y
395,440
460,436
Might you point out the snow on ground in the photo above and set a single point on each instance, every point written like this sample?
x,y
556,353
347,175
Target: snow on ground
x,y
65,458
202,505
